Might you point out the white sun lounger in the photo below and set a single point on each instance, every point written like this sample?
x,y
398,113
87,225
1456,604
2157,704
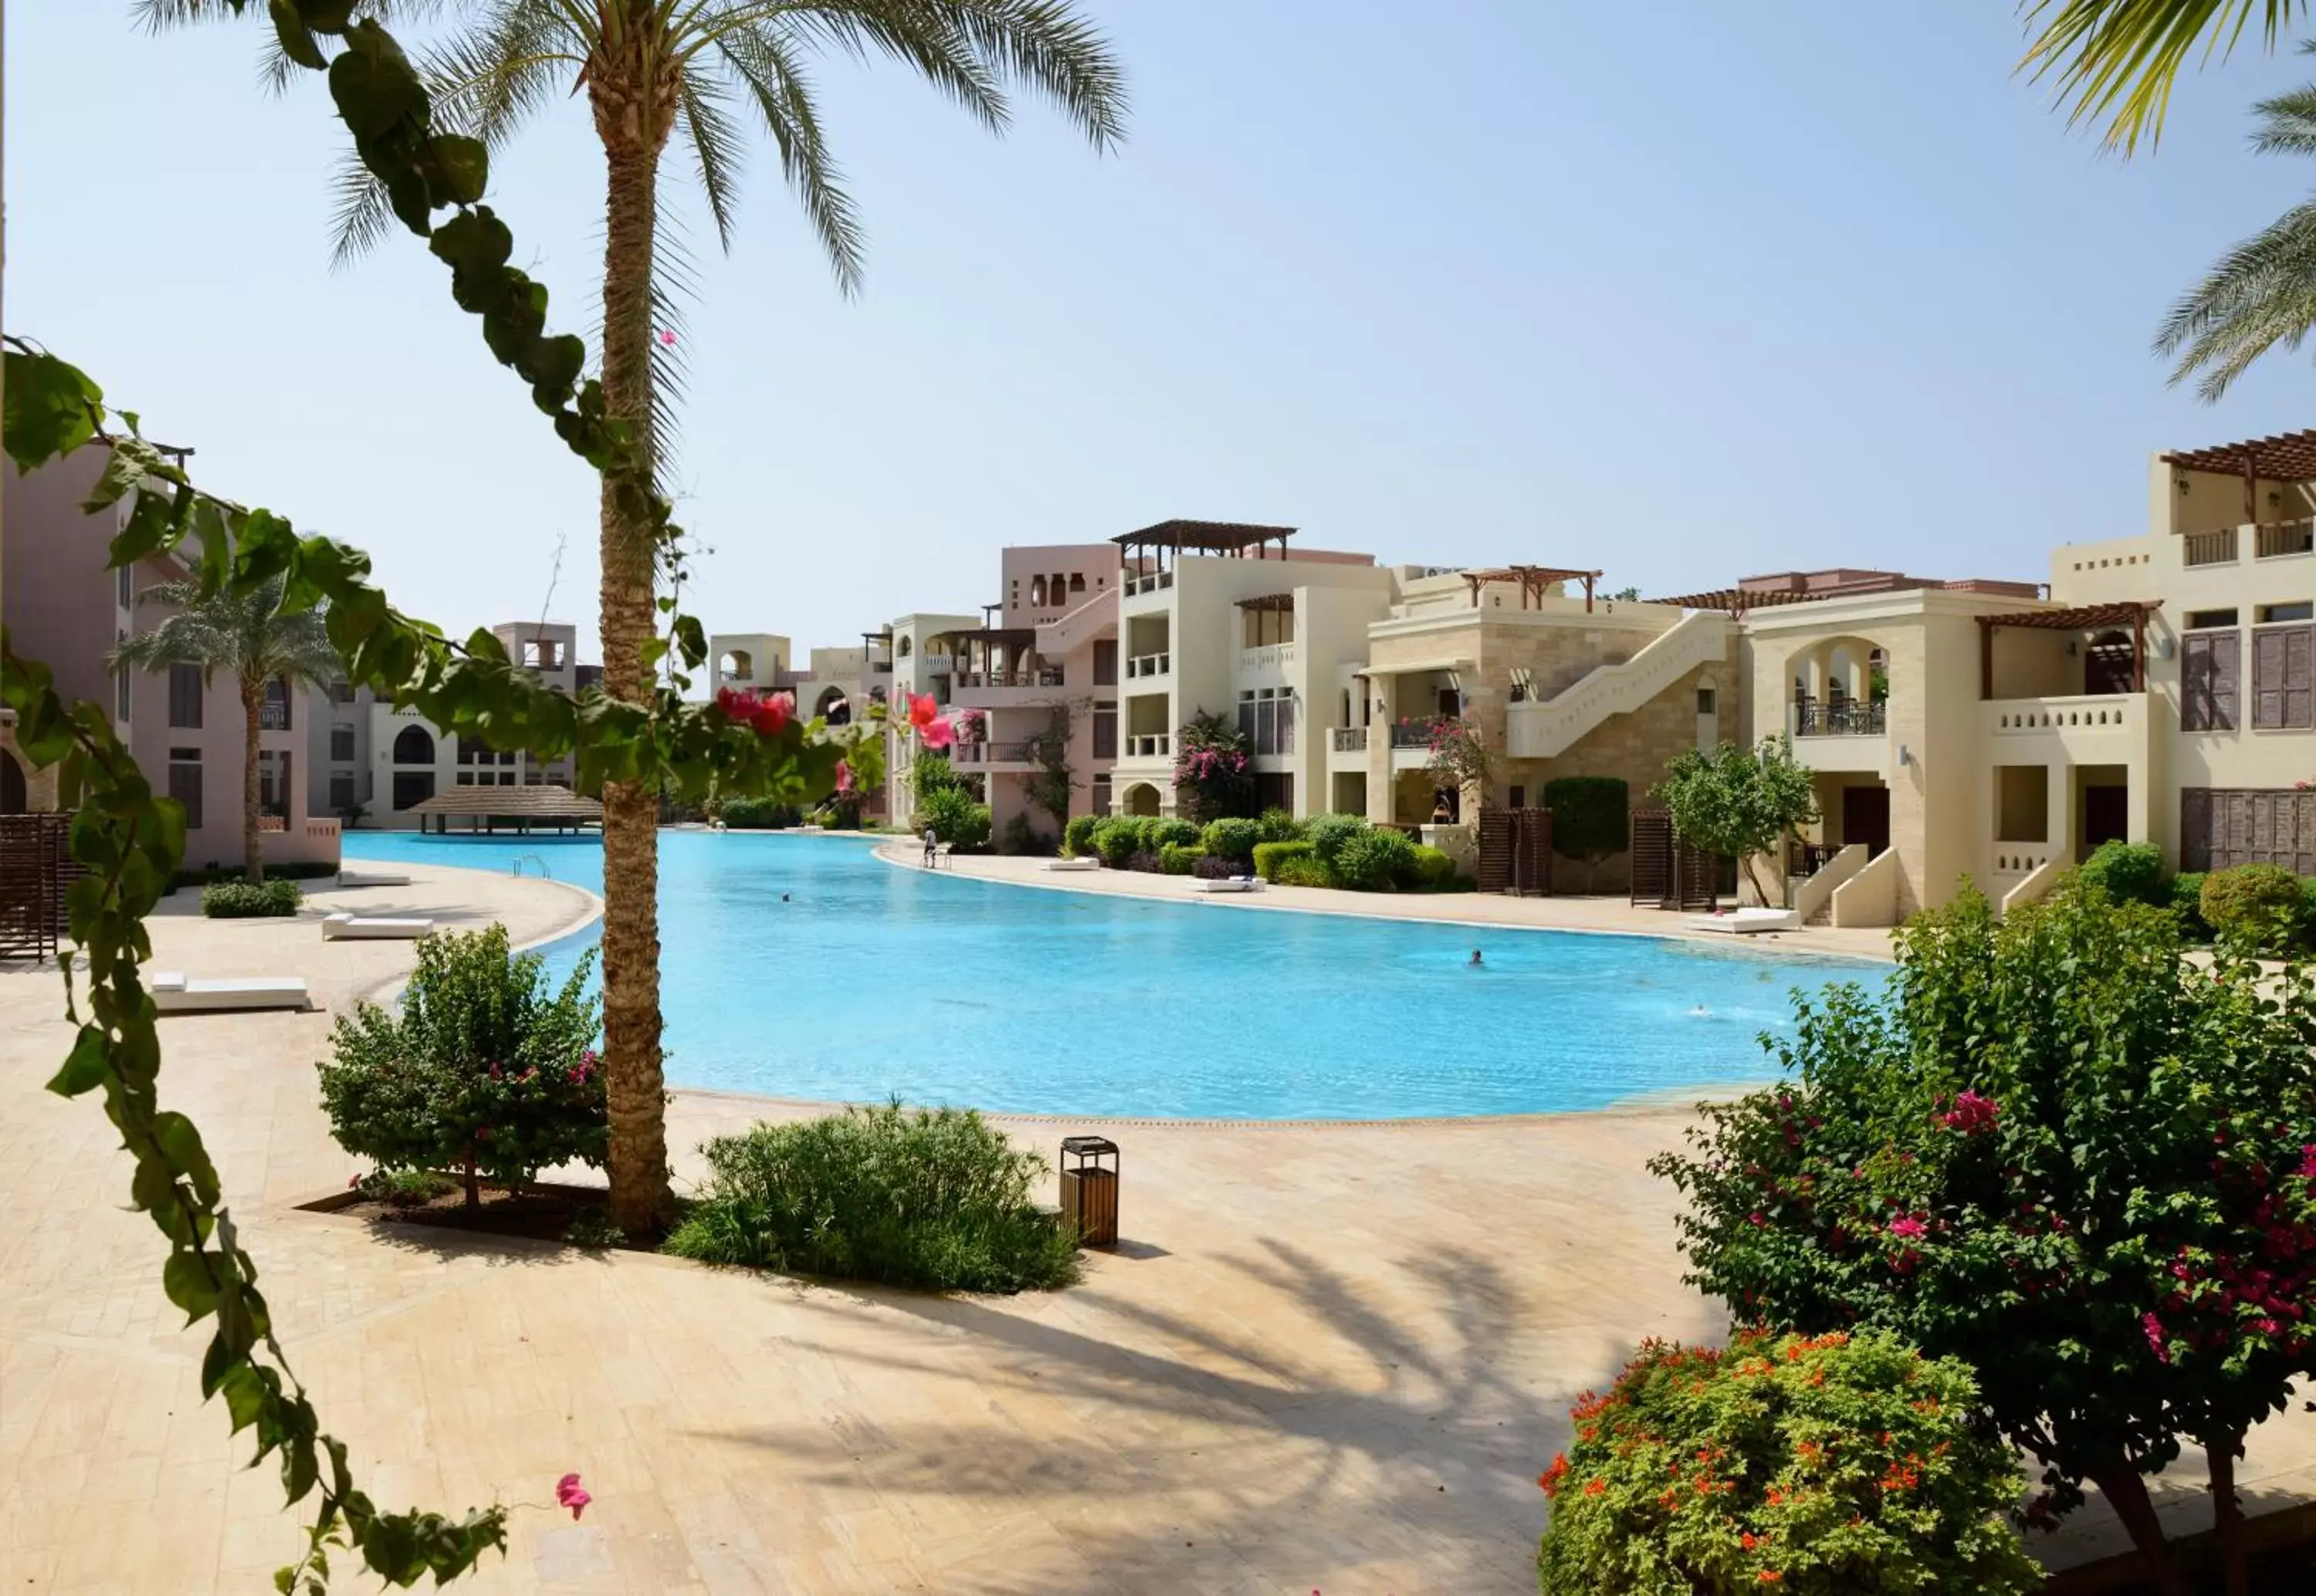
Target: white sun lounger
x,y
355,878
1088,863
346,927
173,992
1229,883
1747,922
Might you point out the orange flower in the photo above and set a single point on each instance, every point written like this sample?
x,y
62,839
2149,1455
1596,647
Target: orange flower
x,y
1594,1487
1769,1576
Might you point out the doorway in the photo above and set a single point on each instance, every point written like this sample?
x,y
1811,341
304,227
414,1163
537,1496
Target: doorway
x,y
1865,818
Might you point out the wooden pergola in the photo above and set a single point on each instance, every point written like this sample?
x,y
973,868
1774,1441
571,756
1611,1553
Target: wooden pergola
x,y
1734,602
978,652
1227,539
2287,457
2082,618
1535,582
541,808
1265,608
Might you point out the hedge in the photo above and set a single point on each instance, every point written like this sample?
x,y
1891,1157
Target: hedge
x,y
1278,825
1269,855
758,815
1374,859
1433,868
1174,859
1589,815
1233,838
2127,871
249,900
1180,832
1077,837
210,876
1329,832
1118,839
2264,905
1305,872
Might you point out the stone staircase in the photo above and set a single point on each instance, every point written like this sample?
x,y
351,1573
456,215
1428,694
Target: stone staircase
x,y
1547,730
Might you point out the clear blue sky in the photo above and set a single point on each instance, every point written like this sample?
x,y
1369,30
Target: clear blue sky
x,y
1687,292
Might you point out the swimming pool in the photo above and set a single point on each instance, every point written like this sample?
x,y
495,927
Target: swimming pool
x,y
868,981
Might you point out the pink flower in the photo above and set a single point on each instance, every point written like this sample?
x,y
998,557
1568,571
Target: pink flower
x,y
844,776
569,1493
667,337
1971,1113
937,736
2154,1328
769,714
1907,1226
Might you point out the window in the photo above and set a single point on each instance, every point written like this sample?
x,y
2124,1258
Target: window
x,y
903,648
342,742
466,751
185,783
124,589
1707,704
413,745
121,684
1519,797
1101,794
543,653
2302,611
1105,731
1267,719
1077,582
465,778
341,692
2199,619
342,792
185,698
1037,592
2022,803
2208,664
273,714
1105,663
2282,658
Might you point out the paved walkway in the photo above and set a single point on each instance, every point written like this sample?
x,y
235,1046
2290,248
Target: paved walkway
x,y
1328,1358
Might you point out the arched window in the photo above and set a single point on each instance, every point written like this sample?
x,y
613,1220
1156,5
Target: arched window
x,y
1077,581
738,667
1036,592
833,707
903,648
1059,588
413,745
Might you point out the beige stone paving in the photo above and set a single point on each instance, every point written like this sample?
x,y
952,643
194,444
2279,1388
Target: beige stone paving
x,y
1329,1358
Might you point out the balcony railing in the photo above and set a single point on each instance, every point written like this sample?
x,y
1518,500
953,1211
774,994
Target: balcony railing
x,y
1013,753
2209,548
2276,539
1412,736
2019,717
967,753
1157,745
273,717
1140,665
1805,859
1842,719
1137,585
1350,740
1269,656
1049,676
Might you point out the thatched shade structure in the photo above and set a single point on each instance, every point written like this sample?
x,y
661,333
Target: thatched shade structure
x,y
522,809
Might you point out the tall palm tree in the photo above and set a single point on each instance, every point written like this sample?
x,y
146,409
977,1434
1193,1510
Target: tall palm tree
x,y
2262,293
250,639
2122,57
654,70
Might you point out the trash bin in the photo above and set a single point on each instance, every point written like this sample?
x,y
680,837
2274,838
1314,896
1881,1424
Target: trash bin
x,y
1089,1189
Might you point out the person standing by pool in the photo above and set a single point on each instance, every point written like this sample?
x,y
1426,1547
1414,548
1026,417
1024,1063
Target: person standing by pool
x,y
930,842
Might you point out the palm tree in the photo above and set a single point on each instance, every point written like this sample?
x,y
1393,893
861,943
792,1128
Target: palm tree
x,y
2122,56
248,637
2262,294
654,70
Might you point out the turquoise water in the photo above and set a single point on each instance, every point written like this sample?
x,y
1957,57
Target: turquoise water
x,y
869,981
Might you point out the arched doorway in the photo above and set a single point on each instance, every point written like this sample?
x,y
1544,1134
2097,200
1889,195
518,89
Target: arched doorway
x,y
15,799
414,746
1141,799
833,707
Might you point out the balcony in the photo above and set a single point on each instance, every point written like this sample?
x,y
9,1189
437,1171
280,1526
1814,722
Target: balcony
x,y
2279,540
2209,548
2090,729
1411,735
1850,719
1151,745
1135,585
1271,656
273,716
1347,739
1142,665
1048,677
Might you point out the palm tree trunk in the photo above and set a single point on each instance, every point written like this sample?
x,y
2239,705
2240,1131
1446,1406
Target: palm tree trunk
x,y
253,844
640,1203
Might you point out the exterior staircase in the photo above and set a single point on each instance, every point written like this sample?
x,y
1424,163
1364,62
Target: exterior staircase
x,y
1547,730
1087,620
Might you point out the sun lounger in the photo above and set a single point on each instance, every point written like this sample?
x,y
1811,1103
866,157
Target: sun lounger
x,y
1747,922
173,992
346,927
354,878
1229,883
1088,863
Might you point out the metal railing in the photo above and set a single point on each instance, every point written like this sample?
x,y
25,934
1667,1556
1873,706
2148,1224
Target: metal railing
x,y
273,717
1842,719
2275,539
1049,676
2209,548
1805,859
1410,737
1348,740
1135,585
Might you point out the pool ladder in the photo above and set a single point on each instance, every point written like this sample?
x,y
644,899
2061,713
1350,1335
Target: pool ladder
x,y
523,861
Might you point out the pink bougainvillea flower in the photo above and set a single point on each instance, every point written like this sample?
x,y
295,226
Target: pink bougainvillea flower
x,y
844,776
569,1493
667,337
1907,1226
922,711
2154,1328
1971,1113
937,735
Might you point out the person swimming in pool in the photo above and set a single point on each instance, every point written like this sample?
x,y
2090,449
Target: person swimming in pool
x,y
1477,964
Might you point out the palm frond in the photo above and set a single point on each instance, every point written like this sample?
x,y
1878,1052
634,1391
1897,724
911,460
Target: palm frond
x,y
762,58
2287,123
674,283
716,147
514,60
1049,47
2260,296
2119,58
917,32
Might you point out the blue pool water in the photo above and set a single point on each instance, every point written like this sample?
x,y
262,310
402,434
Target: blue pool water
x,y
871,981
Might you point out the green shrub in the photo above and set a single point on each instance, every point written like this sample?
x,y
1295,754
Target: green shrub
x,y
758,815
937,1200
1589,819
1278,825
299,870
1375,860
2261,906
1174,859
1157,834
2127,871
482,1068
1329,832
1433,868
1118,839
1077,837
1270,857
1022,837
2188,903
249,900
1307,870
1832,1465
955,819
843,814
1233,838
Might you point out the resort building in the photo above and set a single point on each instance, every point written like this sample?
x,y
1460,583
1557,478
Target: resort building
x,y
922,669
63,607
411,760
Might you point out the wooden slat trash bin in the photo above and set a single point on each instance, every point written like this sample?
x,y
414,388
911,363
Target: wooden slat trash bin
x,y
1089,1189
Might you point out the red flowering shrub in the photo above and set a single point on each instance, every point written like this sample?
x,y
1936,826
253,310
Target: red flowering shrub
x,y
1834,1465
2061,1152
1214,771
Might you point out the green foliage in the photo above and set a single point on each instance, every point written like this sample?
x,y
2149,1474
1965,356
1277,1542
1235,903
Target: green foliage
x,y
482,1068
247,900
2127,871
1232,839
1329,832
837,815
1214,770
2263,907
2186,898
1119,838
405,1188
758,815
1278,826
937,1200
955,819
1180,833
1589,816
1270,856
1827,1466
1374,859
2055,1150
1460,757
594,1229
1739,803
1174,859
1431,868
932,773
1305,871
1077,837
208,875
2119,58
1022,837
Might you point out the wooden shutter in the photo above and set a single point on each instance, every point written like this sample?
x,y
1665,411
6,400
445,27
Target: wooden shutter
x,y
2267,679
2195,657
2194,828
2300,677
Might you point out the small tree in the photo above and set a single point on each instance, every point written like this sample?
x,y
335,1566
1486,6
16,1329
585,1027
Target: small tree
x,y
1590,818
1214,771
931,773
483,1070
2061,1152
1460,759
1052,784
1737,802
